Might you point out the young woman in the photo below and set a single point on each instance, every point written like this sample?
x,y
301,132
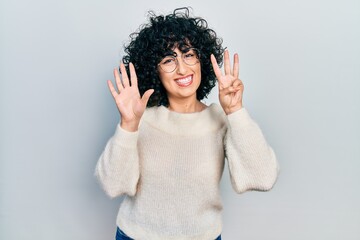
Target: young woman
x,y
167,154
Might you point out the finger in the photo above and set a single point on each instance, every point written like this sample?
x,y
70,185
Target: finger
x,y
216,67
227,66
236,66
118,80
146,96
226,91
237,83
238,96
113,91
125,79
133,76
234,87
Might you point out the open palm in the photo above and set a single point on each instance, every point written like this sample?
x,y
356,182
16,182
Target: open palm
x,y
128,100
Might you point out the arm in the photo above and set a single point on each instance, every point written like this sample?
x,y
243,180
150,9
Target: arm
x,y
252,162
118,166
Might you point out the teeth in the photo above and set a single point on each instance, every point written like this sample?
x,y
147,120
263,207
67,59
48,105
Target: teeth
x,y
184,80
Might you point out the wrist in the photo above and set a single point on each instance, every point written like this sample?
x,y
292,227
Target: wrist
x,y
130,126
231,110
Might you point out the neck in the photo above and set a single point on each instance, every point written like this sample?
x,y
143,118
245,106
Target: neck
x,y
186,106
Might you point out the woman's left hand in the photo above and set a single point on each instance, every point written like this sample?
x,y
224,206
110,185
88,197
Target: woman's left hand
x,y
231,87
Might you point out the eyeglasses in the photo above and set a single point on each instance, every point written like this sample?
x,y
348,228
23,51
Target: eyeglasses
x,y
190,57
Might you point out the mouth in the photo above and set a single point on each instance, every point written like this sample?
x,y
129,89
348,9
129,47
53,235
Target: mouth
x,y
184,82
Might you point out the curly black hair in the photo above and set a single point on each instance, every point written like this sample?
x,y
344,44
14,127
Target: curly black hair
x,y
162,34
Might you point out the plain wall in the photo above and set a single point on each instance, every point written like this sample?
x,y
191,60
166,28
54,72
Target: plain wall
x,y
300,63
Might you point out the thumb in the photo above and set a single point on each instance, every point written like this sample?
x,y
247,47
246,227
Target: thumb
x,y
146,96
226,91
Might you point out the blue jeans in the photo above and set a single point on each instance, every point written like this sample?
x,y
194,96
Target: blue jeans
x,y
120,235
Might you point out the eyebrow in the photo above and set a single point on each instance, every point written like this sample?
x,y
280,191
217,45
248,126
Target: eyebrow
x,y
174,54
170,53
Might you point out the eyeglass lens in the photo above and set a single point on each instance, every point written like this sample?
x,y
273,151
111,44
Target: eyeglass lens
x,y
189,57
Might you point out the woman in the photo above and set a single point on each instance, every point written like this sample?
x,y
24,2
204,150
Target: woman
x,y
167,154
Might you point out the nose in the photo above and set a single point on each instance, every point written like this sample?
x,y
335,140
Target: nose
x,y
181,66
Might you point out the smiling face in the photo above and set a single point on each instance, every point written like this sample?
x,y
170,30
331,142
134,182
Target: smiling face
x,y
182,83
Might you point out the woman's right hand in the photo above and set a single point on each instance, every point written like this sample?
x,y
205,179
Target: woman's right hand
x,y
128,100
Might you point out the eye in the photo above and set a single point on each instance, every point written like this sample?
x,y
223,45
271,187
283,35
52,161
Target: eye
x,y
190,55
168,61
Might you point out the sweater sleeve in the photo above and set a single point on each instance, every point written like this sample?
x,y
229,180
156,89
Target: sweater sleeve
x,y
252,162
118,167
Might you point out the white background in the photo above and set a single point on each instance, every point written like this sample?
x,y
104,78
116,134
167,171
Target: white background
x,y
300,62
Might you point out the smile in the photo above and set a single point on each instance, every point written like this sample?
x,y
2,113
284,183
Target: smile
x,y
184,82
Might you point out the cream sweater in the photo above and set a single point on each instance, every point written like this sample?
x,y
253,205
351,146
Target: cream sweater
x,y
170,169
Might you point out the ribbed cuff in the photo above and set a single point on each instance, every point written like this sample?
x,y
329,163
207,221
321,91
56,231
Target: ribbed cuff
x,y
239,118
125,138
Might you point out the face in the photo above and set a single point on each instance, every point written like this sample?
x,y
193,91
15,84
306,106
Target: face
x,y
183,82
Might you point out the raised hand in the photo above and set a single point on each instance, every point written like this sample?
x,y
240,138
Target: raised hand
x,y
128,100
231,87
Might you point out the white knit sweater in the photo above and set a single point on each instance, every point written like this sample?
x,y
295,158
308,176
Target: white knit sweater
x,y
170,169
